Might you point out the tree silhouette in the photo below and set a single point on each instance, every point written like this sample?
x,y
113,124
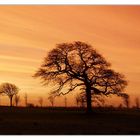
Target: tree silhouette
x,y
78,66
137,102
97,99
65,101
51,99
77,100
0,99
10,90
40,100
125,99
80,100
26,99
17,99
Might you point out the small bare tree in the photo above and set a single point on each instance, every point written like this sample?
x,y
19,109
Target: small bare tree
x,y
26,100
0,99
126,99
51,99
65,101
10,90
98,100
137,103
17,99
40,100
77,100
81,100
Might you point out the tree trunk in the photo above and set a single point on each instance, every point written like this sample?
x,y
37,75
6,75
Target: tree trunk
x,y
11,97
88,96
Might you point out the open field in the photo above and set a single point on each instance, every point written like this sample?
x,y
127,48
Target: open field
x,y
70,121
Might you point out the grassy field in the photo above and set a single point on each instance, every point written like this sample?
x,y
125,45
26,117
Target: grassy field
x,y
68,121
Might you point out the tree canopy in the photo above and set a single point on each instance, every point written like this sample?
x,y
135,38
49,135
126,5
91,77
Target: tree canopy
x,y
78,64
9,89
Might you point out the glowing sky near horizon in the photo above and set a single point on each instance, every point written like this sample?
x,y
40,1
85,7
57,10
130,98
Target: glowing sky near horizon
x,y
27,33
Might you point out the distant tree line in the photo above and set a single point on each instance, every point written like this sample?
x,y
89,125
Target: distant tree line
x,y
12,91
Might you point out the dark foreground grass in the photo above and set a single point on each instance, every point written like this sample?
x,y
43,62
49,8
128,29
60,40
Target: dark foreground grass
x,y
70,121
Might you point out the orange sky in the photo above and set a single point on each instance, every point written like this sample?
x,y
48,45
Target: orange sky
x,y
27,33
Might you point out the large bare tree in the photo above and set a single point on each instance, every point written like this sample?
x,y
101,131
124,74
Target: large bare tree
x,y
78,65
10,90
